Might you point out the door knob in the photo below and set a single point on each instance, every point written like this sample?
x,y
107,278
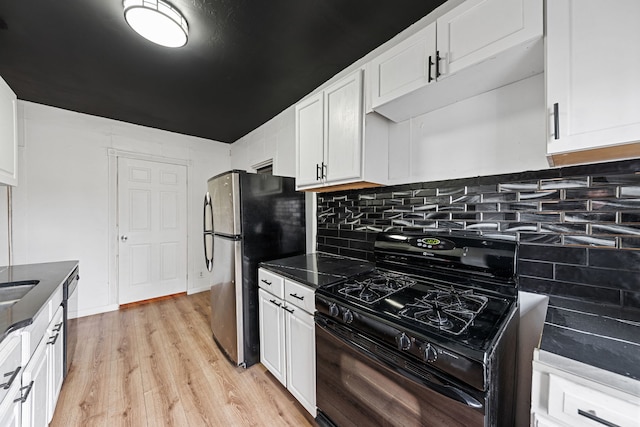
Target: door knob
x,y
123,238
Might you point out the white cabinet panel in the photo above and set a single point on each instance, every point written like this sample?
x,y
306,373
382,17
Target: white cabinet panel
x,y
478,46
332,145
11,408
287,339
310,140
55,349
479,29
271,283
404,68
35,388
272,335
565,393
8,135
593,92
301,358
343,121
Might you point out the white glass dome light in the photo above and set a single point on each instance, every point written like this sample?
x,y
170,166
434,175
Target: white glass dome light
x,y
157,21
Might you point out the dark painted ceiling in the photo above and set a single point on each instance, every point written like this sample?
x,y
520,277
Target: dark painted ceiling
x,y
245,61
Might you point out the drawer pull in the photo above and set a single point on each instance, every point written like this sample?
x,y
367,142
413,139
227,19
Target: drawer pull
x,y
594,417
57,327
287,310
13,375
296,296
274,302
53,339
24,397
266,281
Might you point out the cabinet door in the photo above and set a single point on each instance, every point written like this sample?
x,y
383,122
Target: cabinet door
x,y
592,63
343,127
538,420
272,335
310,140
404,68
480,29
8,135
10,409
55,348
34,384
301,357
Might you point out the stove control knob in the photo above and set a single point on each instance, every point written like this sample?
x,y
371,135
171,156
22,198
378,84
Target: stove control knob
x,y
347,316
429,353
404,342
333,310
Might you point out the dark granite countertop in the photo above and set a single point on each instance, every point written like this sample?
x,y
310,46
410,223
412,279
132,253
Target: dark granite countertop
x,y
598,335
317,269
50,276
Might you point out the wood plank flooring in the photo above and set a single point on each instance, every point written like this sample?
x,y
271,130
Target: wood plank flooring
x,y
157,365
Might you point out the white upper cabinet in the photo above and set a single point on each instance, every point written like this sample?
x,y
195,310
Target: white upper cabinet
x,y
480,29
593,90
332,145
477,46
404,68
8,135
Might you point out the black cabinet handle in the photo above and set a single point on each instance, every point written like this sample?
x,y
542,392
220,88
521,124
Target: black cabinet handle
x,y
13,375
53,339
26,395
429,78
287,310
556,122
595,418
297,296
317,172
266,281
274,302
438,63
57,327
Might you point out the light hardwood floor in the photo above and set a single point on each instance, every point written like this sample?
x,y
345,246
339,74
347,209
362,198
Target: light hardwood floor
x,y
156,365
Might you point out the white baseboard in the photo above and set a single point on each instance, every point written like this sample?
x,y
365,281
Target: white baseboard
x,y
198,290
94,310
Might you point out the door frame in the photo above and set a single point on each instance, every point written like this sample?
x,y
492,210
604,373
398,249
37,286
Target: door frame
x,y
114,247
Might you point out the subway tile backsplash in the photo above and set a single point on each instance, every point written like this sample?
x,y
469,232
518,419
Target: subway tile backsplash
x,y
579,227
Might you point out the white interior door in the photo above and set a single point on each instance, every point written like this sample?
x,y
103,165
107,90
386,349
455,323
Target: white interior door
x,y
152,224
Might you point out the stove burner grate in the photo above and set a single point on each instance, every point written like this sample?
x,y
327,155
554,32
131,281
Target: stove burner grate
x,y
371,289
445,309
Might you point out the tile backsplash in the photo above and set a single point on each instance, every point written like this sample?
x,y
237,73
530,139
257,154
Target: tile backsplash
x,y
578,227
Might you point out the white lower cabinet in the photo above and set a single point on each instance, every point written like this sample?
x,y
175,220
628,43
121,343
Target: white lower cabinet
x,y
55,354
34,388
11,407
287,338
567,393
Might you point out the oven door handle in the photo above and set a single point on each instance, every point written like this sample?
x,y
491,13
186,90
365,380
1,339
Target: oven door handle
x,y
347,336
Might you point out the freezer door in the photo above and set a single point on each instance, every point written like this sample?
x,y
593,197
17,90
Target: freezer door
x,y
225,201
226,298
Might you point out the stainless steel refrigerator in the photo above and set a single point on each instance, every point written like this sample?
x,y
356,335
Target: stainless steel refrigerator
x,y
248,218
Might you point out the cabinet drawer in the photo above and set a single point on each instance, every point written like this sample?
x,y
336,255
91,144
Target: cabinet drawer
x,y
271,282
300,295
578,404
10,361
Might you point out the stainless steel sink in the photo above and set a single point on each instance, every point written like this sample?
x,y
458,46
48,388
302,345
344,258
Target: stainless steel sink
x,y
12,292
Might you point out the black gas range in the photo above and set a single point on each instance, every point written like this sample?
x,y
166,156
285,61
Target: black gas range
x,y
438,313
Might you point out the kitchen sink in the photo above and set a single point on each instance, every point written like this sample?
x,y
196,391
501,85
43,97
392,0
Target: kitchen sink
x,y
12,292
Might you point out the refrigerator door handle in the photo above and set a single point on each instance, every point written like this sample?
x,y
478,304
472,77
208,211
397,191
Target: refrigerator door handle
x,y
208,232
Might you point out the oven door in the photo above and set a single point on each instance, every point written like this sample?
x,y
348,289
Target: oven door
x,y
360,383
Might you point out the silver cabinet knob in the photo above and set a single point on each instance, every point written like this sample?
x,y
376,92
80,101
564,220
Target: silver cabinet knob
x,y
123,238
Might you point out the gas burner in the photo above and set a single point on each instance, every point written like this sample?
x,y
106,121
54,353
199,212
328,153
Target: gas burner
x,y
445,309
375,286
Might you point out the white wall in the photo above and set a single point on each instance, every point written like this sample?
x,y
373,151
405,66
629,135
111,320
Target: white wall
x,y
274,140
61,205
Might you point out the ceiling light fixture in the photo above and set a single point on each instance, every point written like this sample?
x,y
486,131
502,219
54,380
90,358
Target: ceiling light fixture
x,y
157,21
